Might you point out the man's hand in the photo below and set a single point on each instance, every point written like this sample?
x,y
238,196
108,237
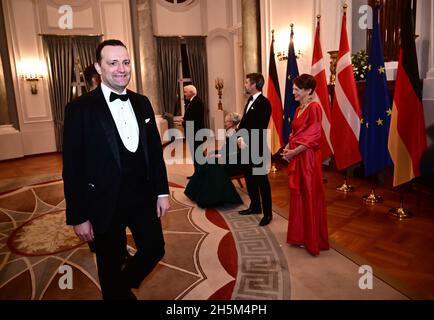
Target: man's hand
x,y
163,205
84,231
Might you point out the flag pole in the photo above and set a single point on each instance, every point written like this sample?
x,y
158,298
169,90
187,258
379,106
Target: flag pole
x,y
273,168
372,198
345,187
400,212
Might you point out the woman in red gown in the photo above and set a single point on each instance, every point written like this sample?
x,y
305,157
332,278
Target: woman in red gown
x,y
307,223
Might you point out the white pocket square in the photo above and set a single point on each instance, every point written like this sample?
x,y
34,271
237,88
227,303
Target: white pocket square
x,y
147,120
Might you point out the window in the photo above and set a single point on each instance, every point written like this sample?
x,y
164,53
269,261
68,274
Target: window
x,y
78,84
184,79
390,24
177,5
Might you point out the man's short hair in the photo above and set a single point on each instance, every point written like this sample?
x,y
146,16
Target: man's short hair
x,y
191,88
256,78
110,42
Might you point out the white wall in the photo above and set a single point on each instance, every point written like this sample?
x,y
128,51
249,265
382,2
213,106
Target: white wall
x,y
25,21
277,15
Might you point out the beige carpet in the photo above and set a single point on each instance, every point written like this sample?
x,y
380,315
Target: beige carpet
x,y
211,254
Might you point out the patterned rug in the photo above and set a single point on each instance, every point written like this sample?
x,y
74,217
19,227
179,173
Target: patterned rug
x,y
210,254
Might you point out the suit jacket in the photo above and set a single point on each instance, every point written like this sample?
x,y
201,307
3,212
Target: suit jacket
x,y
195,111
257,117
91,160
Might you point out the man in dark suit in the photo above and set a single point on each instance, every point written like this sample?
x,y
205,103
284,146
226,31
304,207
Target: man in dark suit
x,y
193,116
114,174
256,116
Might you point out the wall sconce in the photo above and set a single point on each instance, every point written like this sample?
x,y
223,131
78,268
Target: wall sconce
x,y
282,56
219,87
31,71
283,44
33,80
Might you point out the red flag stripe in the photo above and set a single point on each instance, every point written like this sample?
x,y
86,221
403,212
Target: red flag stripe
x,y
322,95
346,95
346,112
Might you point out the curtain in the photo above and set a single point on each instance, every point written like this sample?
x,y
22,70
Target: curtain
x,y
59,55
168,53
196,52
86,48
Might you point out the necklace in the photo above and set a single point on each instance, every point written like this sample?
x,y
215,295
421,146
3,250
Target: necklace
x,y
303,106
306,103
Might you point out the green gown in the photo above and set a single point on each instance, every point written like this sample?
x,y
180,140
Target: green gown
x,y
211,185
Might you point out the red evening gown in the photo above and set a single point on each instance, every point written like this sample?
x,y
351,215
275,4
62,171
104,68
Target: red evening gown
x,y
307,223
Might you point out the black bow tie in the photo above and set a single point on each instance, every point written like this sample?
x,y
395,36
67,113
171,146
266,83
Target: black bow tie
x,y
114,96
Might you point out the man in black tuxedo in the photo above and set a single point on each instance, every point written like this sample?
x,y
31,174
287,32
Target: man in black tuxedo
x,y
114,174
193,116
256,116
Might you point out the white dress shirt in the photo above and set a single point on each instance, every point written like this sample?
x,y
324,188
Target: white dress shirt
x,y
125,119
253,100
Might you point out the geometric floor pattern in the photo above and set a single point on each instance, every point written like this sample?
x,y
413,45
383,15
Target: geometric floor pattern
x,y
210,254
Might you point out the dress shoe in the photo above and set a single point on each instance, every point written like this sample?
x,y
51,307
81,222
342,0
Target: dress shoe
x,y
265,220
249,211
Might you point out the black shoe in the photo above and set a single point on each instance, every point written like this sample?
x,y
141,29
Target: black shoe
x,y
249,211
265,220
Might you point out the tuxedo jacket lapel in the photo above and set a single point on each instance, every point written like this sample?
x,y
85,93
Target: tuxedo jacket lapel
x,y
107,123
139,111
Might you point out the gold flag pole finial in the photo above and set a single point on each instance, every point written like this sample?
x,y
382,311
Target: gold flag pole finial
x,y
345,8
318,16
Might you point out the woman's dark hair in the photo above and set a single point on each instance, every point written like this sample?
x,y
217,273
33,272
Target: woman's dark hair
x,y
89,73
305,81
110,42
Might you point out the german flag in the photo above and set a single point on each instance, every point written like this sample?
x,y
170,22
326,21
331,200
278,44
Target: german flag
x,y
273,94
407,139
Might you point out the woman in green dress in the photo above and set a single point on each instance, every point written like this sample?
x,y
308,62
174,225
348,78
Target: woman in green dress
x,y
211,184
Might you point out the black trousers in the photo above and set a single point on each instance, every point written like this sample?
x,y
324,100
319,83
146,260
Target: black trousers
x,y
258,188
146,230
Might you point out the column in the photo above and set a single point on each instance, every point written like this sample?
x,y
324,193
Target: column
x,y
251,36
430,74
428,83
147,53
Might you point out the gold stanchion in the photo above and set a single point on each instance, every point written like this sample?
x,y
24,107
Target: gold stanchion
x,y
345,187
372,198
400,212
